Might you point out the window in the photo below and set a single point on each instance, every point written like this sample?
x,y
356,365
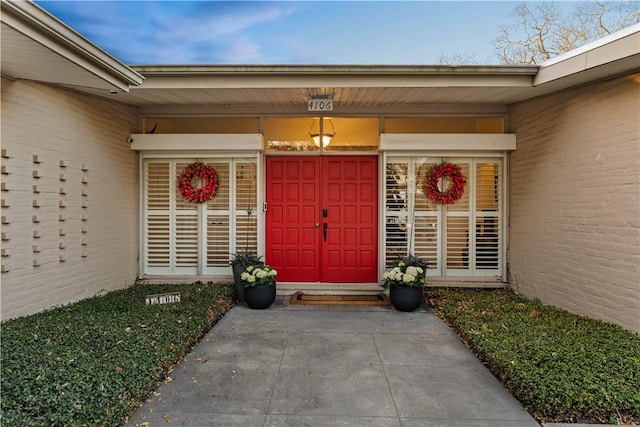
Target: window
x,y
181,237
339,134
459,239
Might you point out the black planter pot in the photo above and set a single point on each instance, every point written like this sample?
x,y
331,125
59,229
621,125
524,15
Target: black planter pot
x,y
237,271
405,298
260,296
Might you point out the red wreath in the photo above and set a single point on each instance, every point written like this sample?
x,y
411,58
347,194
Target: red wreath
x,y
199,194
434,176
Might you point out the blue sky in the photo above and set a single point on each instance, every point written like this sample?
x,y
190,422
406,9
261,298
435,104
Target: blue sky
x,y
291,32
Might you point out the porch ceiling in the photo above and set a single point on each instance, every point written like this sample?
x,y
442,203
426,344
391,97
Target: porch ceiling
x,y
277,89
194,90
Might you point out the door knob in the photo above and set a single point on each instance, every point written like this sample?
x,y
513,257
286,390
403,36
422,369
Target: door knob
x,y
317,224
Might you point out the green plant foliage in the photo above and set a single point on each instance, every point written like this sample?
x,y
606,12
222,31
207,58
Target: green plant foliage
x,y
562,367
245,258
92,363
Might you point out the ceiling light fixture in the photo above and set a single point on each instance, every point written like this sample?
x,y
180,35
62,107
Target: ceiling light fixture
x,y
324,134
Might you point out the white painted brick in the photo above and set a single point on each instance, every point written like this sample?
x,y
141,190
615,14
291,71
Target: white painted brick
x,y
575,201
82,132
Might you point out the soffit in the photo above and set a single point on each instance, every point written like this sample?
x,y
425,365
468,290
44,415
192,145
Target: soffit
x,y
353,88
179,90
343,98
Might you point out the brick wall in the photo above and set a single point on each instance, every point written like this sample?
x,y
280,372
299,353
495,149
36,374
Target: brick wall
x,y
575,201
69,197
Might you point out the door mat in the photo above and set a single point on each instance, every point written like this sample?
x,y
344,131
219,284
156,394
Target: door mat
x,y
301,298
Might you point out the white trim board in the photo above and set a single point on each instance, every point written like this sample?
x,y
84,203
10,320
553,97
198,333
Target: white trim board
x,y
196,141
448,141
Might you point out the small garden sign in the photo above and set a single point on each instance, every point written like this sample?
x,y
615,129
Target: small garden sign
x,y
162,298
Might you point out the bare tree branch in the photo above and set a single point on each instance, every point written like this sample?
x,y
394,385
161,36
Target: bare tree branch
x,y
458,59
541,32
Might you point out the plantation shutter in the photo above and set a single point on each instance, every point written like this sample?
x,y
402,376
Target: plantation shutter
x,y
217,220
458,239
185,216
411,219
246,216
157,227
186,238
171,223
231,216
488,219
396,208
428,218
457,216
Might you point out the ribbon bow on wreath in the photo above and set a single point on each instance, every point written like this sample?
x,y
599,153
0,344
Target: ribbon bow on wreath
x,y
199,194
435,175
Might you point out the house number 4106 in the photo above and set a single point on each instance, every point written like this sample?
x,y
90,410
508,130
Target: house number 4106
x,y
320,104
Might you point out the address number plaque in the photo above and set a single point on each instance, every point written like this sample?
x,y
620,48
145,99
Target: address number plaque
x,y
320,104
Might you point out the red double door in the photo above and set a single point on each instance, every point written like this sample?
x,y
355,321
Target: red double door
x,y
321,220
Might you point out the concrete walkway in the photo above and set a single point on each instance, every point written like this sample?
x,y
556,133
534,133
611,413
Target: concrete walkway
x,y
331,366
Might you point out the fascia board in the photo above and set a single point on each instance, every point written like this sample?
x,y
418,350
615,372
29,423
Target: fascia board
x,y
38,25
340,70
345,81
602,53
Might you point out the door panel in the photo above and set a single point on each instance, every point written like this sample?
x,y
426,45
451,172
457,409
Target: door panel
x,y
293,202
305,245
350,195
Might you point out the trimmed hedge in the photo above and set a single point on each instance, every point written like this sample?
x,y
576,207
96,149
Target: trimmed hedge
x,y
562,367
92,363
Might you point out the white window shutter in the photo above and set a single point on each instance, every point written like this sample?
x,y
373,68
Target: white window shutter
x,y
245,207
488,216
217,215
458,239
157,227
186,238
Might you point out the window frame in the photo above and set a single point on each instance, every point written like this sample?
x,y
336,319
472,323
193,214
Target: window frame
x,y
443,213
201,211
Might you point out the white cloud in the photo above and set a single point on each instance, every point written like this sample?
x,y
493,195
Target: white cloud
x,y
213,33
173,32
286,32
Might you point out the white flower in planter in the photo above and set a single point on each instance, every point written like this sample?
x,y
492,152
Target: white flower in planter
x,y
408,272
258,275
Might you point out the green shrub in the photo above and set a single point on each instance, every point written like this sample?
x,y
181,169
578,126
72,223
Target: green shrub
x,y
92,363
562,367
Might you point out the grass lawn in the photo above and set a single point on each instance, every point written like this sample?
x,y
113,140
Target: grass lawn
x,y
92,363
560,366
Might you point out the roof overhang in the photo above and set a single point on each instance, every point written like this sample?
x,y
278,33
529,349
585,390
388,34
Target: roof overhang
x,y
354,88
37,46
375,88
614,55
